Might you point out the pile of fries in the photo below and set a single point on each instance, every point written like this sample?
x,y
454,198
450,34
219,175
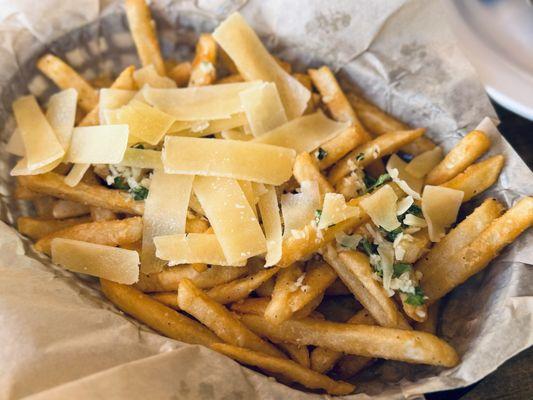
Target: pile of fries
x,y
223,201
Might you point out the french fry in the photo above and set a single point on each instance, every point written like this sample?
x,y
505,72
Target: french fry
x,y
336,148
65,77
156,315
251,305
287,368
463,154
203,70
430,324
362,340
297,248
265,290
377,148
109,233
23,193
124,81
306,169
101,81
44,206
196,224
337,288
354,270
379,122
221,321
349,365
477,178
181,73
169,279
241,288
299,354
459,237
102,214
36,228
477,255
318,276
169,299
304,79
230,79
278,309
142,28
68,209
323,360
54,185
283,64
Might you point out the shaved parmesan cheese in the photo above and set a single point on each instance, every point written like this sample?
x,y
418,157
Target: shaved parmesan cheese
x,y
299,209
149,76
199,103
165,213
146,123
229,213
259,189
111,263
235,134
335,210
111,99
440,207
269,209
61,114
15,145
305,133
347,242
425,162
76,174
21,168
404,204
381,207
413,220
142,158
228,158
103,144
192,248
205,128
248,191
407,182
386,262
41,145
253,61
263,108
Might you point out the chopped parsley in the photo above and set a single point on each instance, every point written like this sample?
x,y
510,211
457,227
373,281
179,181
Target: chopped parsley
x,y
415,210
417,298
120,183
405,156
372,184
360,157
139,193
391,236
400,268
367,247
321,154
318,214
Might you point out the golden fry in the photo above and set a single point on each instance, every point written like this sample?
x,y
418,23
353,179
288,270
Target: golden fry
x,y
287,368
109,233
156,315
221,321
477,255
36,228
181,73
306,169
363,340
203,70
65,77
365,154
464,153
278,309
431,322
102,214
142,28
337,147
230,79
68,209
478,177
99,196
299,354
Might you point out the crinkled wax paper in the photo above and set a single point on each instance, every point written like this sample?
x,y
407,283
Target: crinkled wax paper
x,y
59,339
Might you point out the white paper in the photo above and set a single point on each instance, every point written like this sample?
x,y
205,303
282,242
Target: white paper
x,y
62,340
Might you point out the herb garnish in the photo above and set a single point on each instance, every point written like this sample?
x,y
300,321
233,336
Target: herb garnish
x,y
321,154
360,157
416,298
318,214
372,184
400,268
120,183
367,247
139,193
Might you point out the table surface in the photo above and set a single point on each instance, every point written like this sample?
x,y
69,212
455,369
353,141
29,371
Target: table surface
x,y
513,380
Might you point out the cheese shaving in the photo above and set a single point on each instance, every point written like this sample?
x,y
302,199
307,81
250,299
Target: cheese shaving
x,y
404,204
111,99
347,242
149,76
142,158
407,182
15,145
263,108
165,213
200,103
104,144
254,61
440,207
61,114
425,162
335,210
304,134
381,207
41,145
228,158
229,213
413,220
269,209
299,209
192,248
111,263
386,262
205,128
